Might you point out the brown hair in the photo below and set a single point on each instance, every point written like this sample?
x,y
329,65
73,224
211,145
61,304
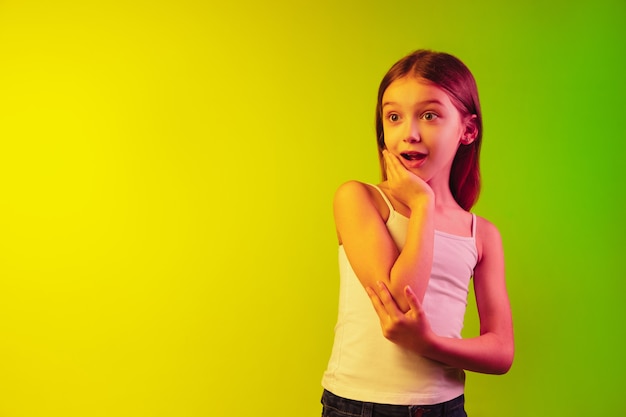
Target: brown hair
x,y
451,75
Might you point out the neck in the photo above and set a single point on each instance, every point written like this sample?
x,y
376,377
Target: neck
x,y
443,196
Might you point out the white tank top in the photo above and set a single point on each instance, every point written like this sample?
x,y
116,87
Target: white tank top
x,y
365,366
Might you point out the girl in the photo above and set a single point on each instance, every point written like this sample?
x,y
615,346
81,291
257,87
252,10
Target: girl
x,y
411,244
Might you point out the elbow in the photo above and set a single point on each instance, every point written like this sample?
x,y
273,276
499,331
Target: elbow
x,y
498,358
504,362
502,368
502,353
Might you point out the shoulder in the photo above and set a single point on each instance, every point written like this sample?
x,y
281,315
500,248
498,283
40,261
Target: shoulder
x,y
358,197
353,192
488,239
351,187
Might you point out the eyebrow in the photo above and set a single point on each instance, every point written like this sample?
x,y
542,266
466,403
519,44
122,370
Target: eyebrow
x,y
432,101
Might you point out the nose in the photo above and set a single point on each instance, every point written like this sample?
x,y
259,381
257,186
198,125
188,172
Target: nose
x,y
412,135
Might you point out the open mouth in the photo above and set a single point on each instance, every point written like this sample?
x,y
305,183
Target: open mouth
x,y
413,156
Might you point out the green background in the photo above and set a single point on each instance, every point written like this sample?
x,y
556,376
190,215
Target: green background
x,y
167,170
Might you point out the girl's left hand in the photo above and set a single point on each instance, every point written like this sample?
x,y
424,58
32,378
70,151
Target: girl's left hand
x,y
410,330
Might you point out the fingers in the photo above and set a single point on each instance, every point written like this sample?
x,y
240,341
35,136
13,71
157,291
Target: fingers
x,y
387,308
394,168
378,305
387,300
388,163
383,302
414,302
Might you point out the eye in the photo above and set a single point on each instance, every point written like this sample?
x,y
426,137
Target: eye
x,y
393,117
429,115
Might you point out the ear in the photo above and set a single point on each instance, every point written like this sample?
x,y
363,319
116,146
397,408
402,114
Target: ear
x,y
471,130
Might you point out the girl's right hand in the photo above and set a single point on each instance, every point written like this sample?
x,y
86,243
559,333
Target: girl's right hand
x,y
404,185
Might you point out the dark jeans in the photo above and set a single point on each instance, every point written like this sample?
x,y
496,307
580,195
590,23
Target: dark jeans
x,y
334,406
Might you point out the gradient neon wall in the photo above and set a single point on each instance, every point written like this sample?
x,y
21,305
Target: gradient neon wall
x,y
166,176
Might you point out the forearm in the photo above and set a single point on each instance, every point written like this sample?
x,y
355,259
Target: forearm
x,y
488,353
414,263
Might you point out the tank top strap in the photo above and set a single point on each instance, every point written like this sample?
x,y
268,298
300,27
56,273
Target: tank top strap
x,y
473,226
391,209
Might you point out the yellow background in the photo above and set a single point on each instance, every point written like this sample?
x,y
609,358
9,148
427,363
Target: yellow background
x,y
166,177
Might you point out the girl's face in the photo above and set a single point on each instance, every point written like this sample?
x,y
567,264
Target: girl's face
x,y
423,128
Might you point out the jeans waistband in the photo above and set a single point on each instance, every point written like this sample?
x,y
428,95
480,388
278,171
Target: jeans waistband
x,y
417,410
434,410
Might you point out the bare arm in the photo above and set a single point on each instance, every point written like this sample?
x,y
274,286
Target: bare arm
x,y
492,352
370,249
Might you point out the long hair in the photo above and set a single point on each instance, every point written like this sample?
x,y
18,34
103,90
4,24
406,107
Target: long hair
x,y
451,75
